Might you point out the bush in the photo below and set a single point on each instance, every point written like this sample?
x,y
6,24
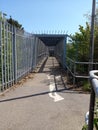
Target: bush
x,y
85,127
86,86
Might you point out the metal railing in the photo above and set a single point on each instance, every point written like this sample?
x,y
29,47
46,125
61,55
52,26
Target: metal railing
x,y
20,52
93,100
77,60
79,69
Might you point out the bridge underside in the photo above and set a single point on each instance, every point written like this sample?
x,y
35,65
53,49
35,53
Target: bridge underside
x,y
51,39
56,44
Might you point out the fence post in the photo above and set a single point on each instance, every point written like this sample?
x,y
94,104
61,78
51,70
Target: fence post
x,y
14,55
64,51
1,58
74,71
34,54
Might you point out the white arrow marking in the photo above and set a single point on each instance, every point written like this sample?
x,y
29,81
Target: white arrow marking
x,y
57,97
52,94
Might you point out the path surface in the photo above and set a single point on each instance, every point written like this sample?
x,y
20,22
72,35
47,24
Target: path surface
x,y
43,103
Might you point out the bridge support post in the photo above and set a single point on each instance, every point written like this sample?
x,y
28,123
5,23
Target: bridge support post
x,y
64,52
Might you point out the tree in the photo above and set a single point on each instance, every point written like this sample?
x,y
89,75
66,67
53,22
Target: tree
x,y
79,48
15,23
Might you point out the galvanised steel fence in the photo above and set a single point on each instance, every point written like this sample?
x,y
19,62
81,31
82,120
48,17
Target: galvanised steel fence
x,y
60,51
20,52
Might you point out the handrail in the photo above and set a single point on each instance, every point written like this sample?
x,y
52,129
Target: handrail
x,y
94,90
94,81
93,74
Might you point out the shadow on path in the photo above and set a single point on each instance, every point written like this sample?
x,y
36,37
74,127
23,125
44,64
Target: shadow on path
x,y
42,66
59,75
40,94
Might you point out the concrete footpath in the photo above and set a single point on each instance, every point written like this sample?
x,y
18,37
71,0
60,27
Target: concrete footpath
x,y
42,102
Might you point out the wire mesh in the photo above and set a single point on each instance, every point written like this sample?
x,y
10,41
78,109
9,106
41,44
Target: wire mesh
x,y
59,51
20,52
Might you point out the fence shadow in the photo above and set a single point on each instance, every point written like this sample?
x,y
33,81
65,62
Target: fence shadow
x,y
42,66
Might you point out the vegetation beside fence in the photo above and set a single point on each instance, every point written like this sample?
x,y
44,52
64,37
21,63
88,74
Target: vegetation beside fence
x,y
78,54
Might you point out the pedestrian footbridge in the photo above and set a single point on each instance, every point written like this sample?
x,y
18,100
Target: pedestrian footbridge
x,y
51,105
21,52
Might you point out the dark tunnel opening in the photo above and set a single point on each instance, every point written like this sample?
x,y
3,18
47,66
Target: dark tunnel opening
x,y
51,40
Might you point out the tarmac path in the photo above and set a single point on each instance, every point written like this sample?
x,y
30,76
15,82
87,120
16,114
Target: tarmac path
x,y
42,102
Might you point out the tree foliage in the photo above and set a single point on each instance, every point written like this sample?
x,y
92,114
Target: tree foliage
x,y
15,23
79,48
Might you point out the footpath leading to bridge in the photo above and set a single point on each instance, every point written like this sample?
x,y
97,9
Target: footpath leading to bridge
x,y
43,103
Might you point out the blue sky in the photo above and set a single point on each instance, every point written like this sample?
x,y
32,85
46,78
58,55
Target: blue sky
x,y
48,15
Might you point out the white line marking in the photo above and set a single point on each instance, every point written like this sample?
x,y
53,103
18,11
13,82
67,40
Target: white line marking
x,y
52,94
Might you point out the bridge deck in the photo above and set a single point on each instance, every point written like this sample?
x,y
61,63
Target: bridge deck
x,y
43,103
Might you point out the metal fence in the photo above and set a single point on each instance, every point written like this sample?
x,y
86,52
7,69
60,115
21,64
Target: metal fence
x,y
60,51
79,69
20,52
